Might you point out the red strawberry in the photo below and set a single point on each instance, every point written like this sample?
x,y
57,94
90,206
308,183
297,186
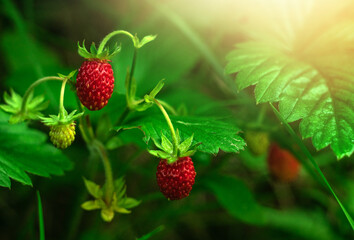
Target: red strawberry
x,y
176,180
95,83
282,164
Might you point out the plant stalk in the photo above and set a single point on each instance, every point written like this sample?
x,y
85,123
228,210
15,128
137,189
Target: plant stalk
x,y
62,111
35,84
129,96
170,125
110,35
108,171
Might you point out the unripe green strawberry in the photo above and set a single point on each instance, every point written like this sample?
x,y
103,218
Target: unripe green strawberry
x,y
176,179
282,164
62,135
257,142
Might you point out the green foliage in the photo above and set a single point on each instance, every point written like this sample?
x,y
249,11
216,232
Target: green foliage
x,y
213,134
311,76
19,153
31,111
238,200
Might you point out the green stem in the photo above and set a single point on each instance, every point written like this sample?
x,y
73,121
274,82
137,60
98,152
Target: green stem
x,y
129,94
309,156
108,171
35,84
62,111
261,115
110,35
170,125
168,107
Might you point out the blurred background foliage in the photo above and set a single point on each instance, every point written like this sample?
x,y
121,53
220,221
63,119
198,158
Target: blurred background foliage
x,y
233,198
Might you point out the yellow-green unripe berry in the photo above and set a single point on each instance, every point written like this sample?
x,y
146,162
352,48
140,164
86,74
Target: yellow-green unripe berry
x,y
257,142
62,135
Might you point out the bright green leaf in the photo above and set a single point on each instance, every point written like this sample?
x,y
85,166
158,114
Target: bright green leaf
x,y
214,135
24,150
310,75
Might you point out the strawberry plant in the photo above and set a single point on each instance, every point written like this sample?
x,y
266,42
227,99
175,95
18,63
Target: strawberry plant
x,y
238,125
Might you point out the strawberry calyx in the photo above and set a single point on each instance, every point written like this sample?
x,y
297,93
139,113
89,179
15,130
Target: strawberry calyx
x,y
120,202
62,118
94,54
166,149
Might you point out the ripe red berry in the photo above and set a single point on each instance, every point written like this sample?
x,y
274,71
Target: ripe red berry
x,y
95,83
176,180
282,164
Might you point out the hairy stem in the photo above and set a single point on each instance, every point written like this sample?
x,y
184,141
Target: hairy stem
x,y
35,84
170,125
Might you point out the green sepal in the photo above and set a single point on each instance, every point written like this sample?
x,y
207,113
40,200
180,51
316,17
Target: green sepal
x,y
70,75
107,214
93,205
129,203
166,144
120,203
93,188
53,120
31,111
185,149
105,54
159,154
93,49
146,40
184,146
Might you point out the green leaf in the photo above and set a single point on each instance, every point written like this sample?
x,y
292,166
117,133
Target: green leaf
x,y
93,188
32,110
237,199
213,134
234,196
310,74
25,150
147,39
